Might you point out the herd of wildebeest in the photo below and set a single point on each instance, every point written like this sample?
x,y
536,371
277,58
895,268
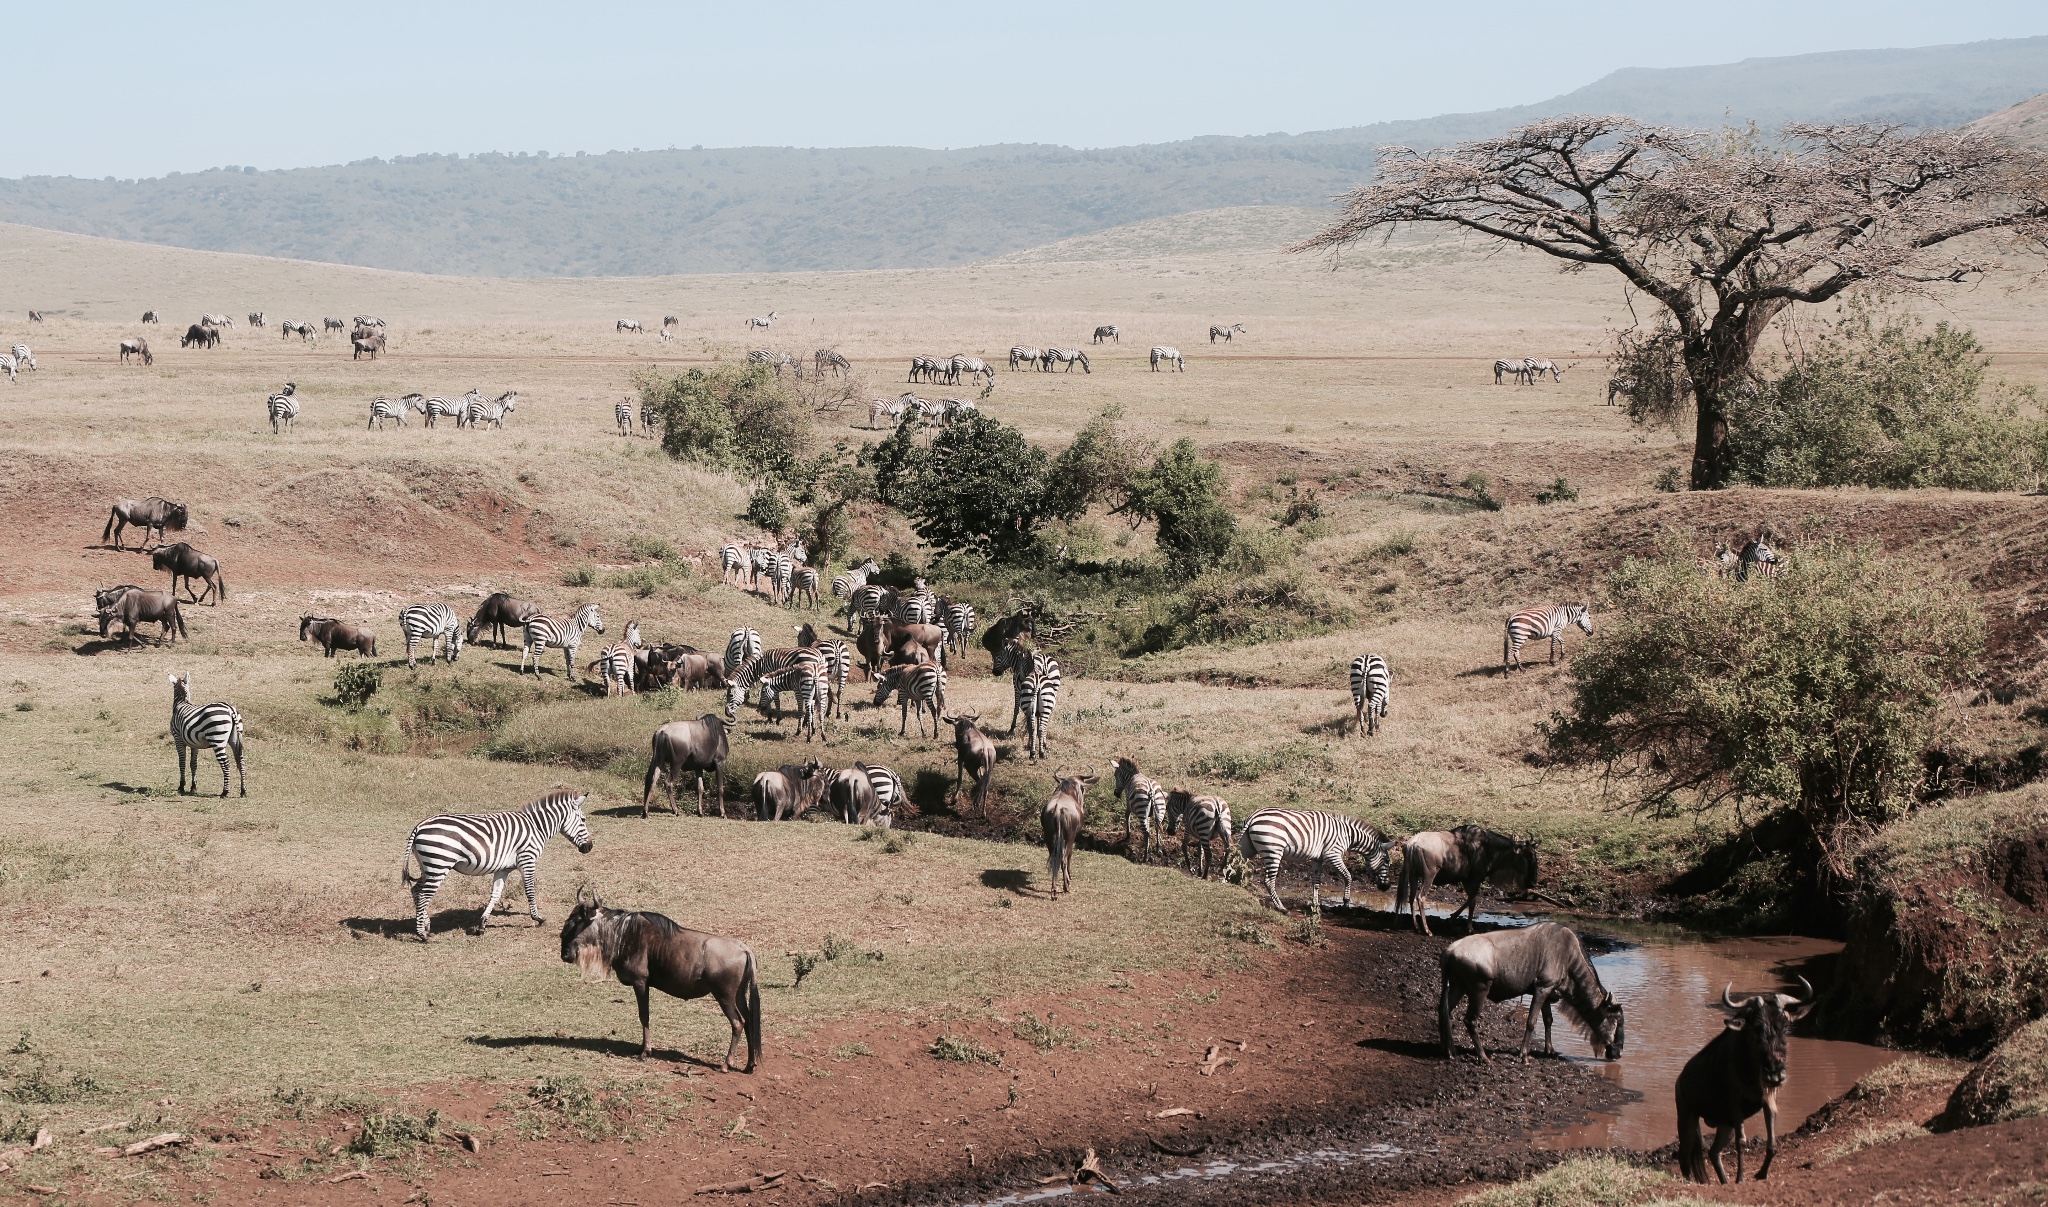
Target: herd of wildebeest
x,y
904,651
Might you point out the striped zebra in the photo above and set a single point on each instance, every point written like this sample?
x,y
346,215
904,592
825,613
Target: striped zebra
x,y
434,624
382,408
467,407
922,686
24,358
763,356
920,606
195,726
369,320
742,647
1145,799
887,408
8,366
1518,369
826,359
255,318
622,412
781,578
1023,355
838,663
761,562
1274,835
629,325
434,408
490,844
1163,355
805,584
810,679
926,368
283,408
763,323
545,631
1066,356
1531,623
868,602
765,670
889,790
476,412
959,621
732,566
1758,559
1199,819
1218,331
1038,694
973,366
616,665
1370,685
1022,664
1108,333
1537,367
844,585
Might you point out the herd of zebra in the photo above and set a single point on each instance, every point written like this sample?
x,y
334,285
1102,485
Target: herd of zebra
x,y
471,410
1527,371
18,360
823,361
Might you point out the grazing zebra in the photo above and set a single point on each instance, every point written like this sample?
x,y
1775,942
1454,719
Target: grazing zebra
x,y
390,408
491,844
149,316
1723,564
826,358
1757,558
369,320
622,412
1199,820
287,328
136,347
629,325
973,366
1273,835
283,408
1518,368
476,412
810,678
25,358
255,318
1370,685
670,320
193,726
806,585
1067,356
923,687
1217,331
1022,355
7,366
765,669
742,647
545,631
1537,367
762,323
435,624
1145,799
927,368
1165,355
1108,332
326,324
434,408
958,619
616,665
217,320
1528,625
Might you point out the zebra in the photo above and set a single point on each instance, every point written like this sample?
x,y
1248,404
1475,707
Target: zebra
x,y
958,619
1370,686
1108,332
650,418
1272,835
287,328
1530,623
435,624
826,358
893,408
844,585
215,725
545,631
1023,354
628,325
810,677
762,323
838,662
670,320
1144,799
665,336
490,844
326,324
283,408
889,790
923,687
149,316
1198,819
1165,355
217,320
1537,367
389,408
616,665
1518,368
765,669
1026,665
478,412
732,566
434,408
929,368
25,358
973,366
1757,558
920,606
1217,330
622,412
35,316
1067,356
742,647
7,365
865,602
806,585
255,318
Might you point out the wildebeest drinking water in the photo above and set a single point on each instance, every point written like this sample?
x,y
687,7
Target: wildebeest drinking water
x,y
1468,855
183,561
1736,1075
153,515
1544,961
649,951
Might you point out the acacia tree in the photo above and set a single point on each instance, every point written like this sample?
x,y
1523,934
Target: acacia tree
x,y
1723,232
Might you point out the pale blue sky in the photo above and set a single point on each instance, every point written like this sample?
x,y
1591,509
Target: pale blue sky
x,y
133,89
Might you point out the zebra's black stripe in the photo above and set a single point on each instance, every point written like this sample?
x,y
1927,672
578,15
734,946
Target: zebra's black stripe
x,y
489,844
435,624
194,727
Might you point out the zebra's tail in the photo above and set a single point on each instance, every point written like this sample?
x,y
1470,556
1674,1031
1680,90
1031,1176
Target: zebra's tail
x,y
405,876
1507,637
752,1009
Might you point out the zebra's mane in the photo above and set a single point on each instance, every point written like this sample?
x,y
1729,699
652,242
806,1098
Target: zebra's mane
x,y
556,803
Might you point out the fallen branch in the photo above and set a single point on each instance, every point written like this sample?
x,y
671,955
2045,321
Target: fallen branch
x,y
165,1140
1090,1174
1171,1151
1213,1060
353,1175
748,1185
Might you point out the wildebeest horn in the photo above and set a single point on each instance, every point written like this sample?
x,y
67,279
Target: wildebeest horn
x,y
1728,1001
1808,986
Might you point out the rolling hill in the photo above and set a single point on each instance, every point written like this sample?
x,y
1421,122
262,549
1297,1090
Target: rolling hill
x,y
787,209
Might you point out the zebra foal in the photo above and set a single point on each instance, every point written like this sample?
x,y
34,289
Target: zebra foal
x,y
490,844
216,726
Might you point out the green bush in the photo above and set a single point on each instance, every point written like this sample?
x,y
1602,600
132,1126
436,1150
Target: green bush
x,y
981,487
1559,491
1182,493
570,733
729,416
356,682
766,509
393,1133
965,1049
579,576
1222,607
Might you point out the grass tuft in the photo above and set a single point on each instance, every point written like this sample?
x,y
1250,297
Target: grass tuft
x,y
1582,1182
965,1049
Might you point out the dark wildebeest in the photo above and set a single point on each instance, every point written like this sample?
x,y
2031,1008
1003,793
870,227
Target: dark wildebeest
x,y
649,951
333,634
201,334
183,561
1544,961
371,344
1736,1075
152,515
680,746
1467,855
851,795
136,347
149,316
1002,632
789,791
137,607
498,611
1061,821
911,643
974,755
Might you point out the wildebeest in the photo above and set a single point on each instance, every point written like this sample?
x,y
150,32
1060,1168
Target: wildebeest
x,y
1002,632
332,634
1468,855
183,561
1736,1075
681,746
149,316
152,515
35,316
1544,961
498,611
974,755
649,951
790,790
1061,821
851,796
201,334
136,347
372,344
138,607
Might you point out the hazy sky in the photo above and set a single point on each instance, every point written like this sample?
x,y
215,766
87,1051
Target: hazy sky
x,y
138,89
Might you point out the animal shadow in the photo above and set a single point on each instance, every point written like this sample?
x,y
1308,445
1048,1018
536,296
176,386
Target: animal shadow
x,y
1412,1049
1013,880
587,1043
129,789
445,922
102,645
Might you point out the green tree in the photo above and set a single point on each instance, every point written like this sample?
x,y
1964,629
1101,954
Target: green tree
x,y
728,416
1096,467
980,488
895,462
1180,492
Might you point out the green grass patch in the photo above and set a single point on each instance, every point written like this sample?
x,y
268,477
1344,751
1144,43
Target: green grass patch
x,y
964,1049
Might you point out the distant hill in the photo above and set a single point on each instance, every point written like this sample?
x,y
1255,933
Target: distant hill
x,y
784,209
2025,123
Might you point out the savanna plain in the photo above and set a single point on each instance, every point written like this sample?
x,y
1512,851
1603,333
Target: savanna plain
x,y
241,971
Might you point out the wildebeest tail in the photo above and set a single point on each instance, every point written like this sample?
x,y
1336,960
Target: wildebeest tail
x,y
1692,1161
981,785
178,614
752,1009
1406,890
220,580
108,533
653,769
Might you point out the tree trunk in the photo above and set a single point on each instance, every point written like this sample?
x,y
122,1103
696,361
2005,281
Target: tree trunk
x,y
1718,362
1710,440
